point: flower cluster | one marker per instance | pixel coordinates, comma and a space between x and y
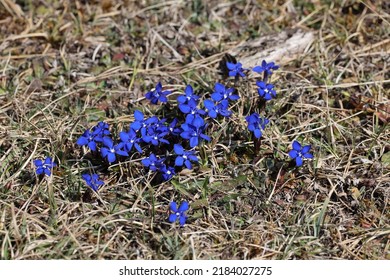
166, 146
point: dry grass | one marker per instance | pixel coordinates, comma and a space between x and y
64, 67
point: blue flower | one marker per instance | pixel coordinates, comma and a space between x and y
92, 181
45, 166
153, 162
173, 129
167, 172
298, 153
235, 69
140, 122
220, 108
256, 124
110, 151
157, 95
266, 91
130, 140
194, 131
88, 138
93, 136
266, 67
154, 135
222, 93
189, 96
100, 131
184, 157
178, 214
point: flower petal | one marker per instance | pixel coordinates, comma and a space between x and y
194, 141
178, 149
38, 162
173, 206
296, 146
111, 157
47, 171
107, 141
182, 220
183, 206
293, 154
138, 115
82, 141
308, 155
189, 90
299, 161
306, 149
172, 218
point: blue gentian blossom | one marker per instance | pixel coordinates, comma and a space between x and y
256, 124
266, 91
152, 162
217, 109
92, 181
178, 213
93, 136
130, 140
140, 122
266, 68
299, 153
188, 96
154, 135
194, 131
191, 108
157, 95
184, 157
195, 113
223, 93
87, 139
100, 131
173, 128
167, 172
110, 150
235, 69
44, 167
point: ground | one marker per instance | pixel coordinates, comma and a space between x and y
66, 65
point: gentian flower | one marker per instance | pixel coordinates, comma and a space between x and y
110, 150
140, 122
173, 129
298, 153
219, 108
130, 140
189, 96
153, 162
222, 93
88, 138
178, 214
256, 124
45, 166
194, 131
167, 172
157, 95
266, 91
92, 181
235, 69
184, 157
99, 131
266, 68
154, 135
